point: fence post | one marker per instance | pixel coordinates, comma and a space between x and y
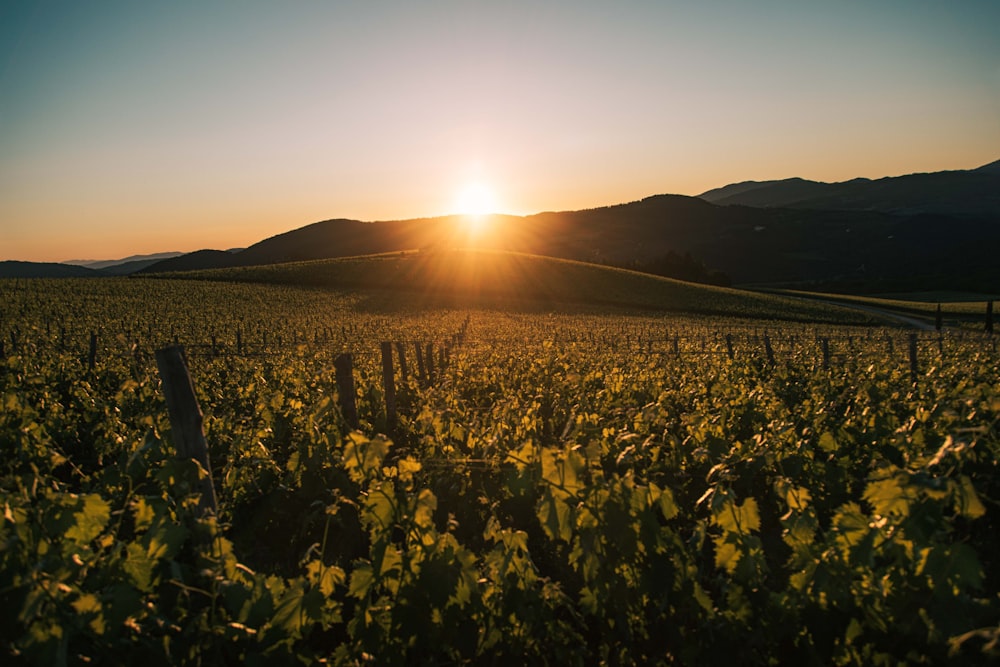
768, 350
344, 368
389, 383
825, 345
186, 419
729, 346
401, 353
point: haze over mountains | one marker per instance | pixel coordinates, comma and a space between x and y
921, 231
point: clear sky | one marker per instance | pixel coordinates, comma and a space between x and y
133, 127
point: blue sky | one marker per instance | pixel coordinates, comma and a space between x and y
138, 127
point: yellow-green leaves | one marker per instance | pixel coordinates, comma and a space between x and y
89, 520
363, 456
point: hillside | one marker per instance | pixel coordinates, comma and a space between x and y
973, 193
850, 250
460, 278
14, 269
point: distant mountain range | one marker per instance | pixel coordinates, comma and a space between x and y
969, 193
920, 231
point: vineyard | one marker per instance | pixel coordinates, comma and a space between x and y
560, 485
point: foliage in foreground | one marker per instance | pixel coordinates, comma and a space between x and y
546, 502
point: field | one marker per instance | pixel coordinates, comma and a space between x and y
744, 482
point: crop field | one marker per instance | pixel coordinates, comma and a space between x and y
560, 485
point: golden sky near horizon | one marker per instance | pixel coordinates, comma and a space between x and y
129, 128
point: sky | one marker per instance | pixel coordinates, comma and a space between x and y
130, 128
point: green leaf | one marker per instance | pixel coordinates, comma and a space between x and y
381, 506
423, 515
139, 566
891, 496
727, 555
363, 457
143, 514
555, 517
289, 614
361, 580
967, 502
324, 577
738, 518
90, 521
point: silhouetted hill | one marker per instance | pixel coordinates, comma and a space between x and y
194, 261
860, 249
973, 193
880, 235
137, 261
14, 269
991, 168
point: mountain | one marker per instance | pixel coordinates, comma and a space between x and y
866, 250
915, 232
133, 260
972, 193
14, 269
194, 261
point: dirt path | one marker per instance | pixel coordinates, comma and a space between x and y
908, 320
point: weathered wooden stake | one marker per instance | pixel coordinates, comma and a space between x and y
344, 367
186, 419
389, 384
92, 358
401, 353
729, 346
768, 350
825, 345
913, 356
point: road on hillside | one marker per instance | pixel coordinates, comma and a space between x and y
914, 322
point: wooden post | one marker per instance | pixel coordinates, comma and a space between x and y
186, 419
825, 345
937, 318
239, 342
913, 356
729, 346
768, 350
389, 384
401, 353
421, 369
888, 343
92, 358
677, 347
344, 367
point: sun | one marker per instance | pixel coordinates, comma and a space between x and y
475, 199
